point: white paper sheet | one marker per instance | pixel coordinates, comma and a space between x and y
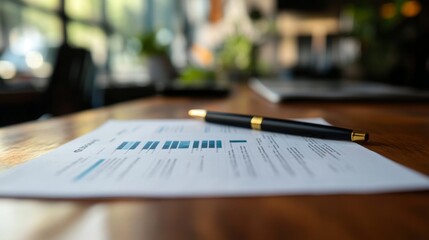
187, 158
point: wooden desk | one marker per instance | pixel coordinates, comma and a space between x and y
398, 131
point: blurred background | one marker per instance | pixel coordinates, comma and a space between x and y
61, 56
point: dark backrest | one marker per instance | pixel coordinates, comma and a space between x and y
72, 85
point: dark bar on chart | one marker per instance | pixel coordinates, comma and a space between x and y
122, 145
238, 141
196, 144
166, 145
154, 145
218, 144
147, 145
184, 144
134, 146
211, 144
204, 144
174, 145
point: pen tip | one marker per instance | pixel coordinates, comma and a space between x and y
357, 136
197, 113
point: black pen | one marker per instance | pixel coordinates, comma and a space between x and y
280, 125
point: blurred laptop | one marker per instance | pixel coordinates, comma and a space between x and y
276, 90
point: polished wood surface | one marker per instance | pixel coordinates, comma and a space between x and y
398, 131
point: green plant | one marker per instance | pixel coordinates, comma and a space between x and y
150, 46
236, 53
383, 37
193, 75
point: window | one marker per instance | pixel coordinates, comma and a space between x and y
84, 9
29, 34
108, 28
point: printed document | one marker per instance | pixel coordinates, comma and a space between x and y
189, 158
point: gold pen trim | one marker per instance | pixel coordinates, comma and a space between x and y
357, 137
256, 122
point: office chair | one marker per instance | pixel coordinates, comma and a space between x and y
72, 85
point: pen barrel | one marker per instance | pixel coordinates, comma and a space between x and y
229, 119
282, 126
306, 129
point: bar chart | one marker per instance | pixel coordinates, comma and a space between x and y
171, 145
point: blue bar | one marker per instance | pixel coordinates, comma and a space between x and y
204, 144
211, 144
134, 146
128, 146
154, 145
196, 144
184, 144
218, 144
88, 170
122, 145
147, 145
238, 141
174, 145
166, 145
